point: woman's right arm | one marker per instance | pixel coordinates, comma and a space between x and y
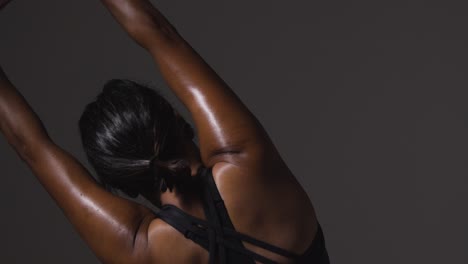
227, 130
116, 229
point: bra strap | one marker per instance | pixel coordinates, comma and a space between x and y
185, 225
211, 234
201, 231
215, 233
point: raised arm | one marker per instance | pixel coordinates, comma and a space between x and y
227, 130
114, 228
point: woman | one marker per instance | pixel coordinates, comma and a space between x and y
231, 199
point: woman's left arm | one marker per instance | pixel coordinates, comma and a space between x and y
18, 122
113, 227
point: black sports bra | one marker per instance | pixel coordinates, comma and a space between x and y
218, 235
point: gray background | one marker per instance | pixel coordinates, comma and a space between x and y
365, 101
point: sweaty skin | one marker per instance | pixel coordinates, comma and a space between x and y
262, 196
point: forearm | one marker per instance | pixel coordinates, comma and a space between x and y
224, 124
18, 122
143, 22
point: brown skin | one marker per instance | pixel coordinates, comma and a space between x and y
262, 196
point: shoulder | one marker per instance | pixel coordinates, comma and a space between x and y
167, 245
265, 200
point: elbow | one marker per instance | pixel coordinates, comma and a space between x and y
27, 141
153, 37
25, 148
19, 148
143, 22
13, 139
22, 149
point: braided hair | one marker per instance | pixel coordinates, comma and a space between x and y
133, 138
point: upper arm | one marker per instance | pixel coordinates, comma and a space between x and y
113, 227
224, 124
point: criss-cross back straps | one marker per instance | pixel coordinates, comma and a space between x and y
217, 233
211, 199
218, 209
198, 230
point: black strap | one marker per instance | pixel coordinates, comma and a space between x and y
218, 233
185, 224
198, 230
210, 201
222, 211
261, 244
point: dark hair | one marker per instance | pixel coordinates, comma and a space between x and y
132, 137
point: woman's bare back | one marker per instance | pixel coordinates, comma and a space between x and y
273, 208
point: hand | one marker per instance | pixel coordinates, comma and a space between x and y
3, 3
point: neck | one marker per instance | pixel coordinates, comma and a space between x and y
193, 157
189, 202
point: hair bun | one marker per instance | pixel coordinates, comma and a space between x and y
172, 173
